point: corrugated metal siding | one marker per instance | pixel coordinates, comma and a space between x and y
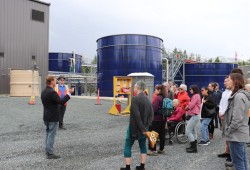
21, 38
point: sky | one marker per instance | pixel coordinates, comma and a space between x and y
209, 28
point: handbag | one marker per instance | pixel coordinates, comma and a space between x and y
211, 112
188, 117
152, 137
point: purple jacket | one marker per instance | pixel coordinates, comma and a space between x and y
194, 105
157, 103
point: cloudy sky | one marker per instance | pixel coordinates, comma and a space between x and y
210, 28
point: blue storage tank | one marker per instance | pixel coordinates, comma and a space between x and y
60, 62
202, 74
120, 55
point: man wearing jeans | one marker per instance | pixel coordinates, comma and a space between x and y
236, 130
51, 102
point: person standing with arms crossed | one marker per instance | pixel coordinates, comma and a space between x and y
62, 90
141, 116
236, 130
51, 102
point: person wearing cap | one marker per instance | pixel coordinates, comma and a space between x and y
62, 90
170, 94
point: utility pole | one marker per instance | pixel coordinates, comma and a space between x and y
32, 98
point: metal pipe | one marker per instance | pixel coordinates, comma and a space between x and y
166, 68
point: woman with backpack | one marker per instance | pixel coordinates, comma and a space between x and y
159, 122
193, 111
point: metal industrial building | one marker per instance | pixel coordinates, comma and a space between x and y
24, 38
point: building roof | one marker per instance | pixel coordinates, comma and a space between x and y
40, 2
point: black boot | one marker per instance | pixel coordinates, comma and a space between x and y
190, 146
193, 148
126, 168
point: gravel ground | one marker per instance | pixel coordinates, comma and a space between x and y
93, 140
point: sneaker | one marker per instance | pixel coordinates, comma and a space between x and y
203, 143
139, 168
52, 156
208, 142
224, 155
230, 164
161, 151
152, 153
230, 168
62, 128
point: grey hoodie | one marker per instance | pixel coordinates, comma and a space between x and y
236, 117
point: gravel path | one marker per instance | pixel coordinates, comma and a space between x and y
93, 140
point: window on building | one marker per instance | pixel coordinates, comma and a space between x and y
37, 15
1, 54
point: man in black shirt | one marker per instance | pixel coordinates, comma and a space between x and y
51, 102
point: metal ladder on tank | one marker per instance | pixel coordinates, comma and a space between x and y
174, 65
174, 68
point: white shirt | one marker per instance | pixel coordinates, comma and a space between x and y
224, 101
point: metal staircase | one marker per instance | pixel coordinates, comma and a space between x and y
174, 65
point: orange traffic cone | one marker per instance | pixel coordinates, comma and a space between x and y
98, 98
32, 100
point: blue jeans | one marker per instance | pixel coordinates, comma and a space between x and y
51, 129
204, 129
191, 131
238, 155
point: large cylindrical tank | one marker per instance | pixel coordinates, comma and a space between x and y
120, 55
61, 62
202, 74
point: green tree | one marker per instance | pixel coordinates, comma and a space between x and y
240, 63
86, 70
164, 55
217, 60
94, 61
175, 51
210, 60
185, 54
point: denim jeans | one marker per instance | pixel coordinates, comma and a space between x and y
51, 129
204, 129
238, 155
191, 130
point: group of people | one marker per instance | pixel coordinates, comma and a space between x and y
209, 107
229, 109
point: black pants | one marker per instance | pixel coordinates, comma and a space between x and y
61, 114
211, 126
217, 118
159, 127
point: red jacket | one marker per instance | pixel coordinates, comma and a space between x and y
176, 115
176, 94
184, 99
